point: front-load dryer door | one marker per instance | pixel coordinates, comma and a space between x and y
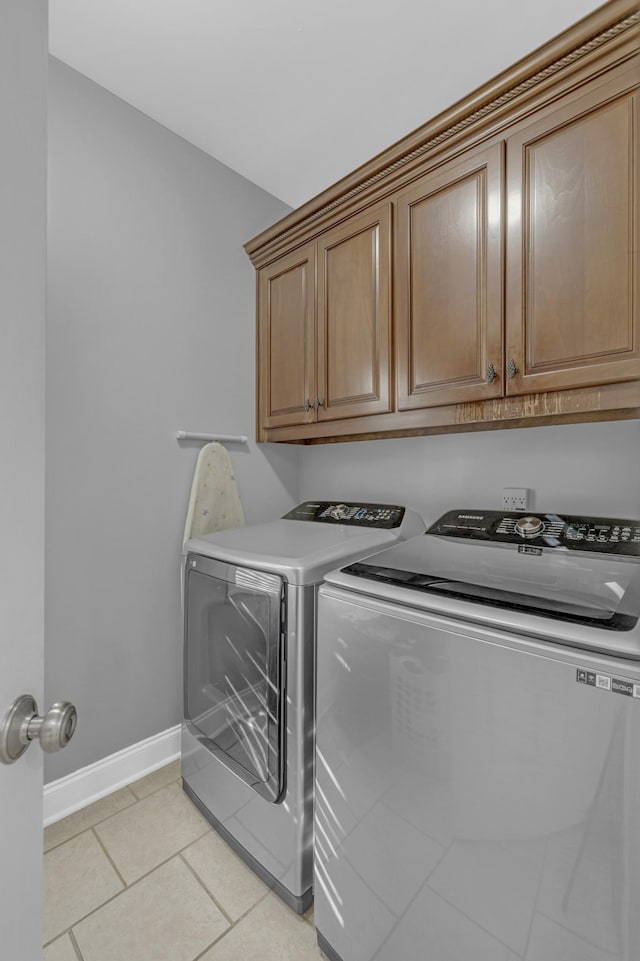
234, 668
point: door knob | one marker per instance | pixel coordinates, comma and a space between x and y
22, 724
492, 373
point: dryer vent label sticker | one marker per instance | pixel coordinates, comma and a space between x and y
616, 685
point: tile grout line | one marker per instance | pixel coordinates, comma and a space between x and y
126, 787
234, 924
205, 888
160, 864
99, 906
127, 887
84, 917
55, 847
259, 901
109, 858
174, 780
75, 945
177, 854
253, 907
119, 875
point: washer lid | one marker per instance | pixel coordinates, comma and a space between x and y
301, 551
587, 599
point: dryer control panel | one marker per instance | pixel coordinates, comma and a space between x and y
385, 516
606, 535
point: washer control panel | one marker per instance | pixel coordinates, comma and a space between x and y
386, 516
607, 535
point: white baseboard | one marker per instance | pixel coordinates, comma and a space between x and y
89, 784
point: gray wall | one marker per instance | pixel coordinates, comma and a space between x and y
151, 320
581, 468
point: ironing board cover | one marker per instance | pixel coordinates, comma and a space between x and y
214, 504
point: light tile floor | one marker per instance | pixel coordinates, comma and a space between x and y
141, 876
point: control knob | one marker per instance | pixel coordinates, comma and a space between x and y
529, 527
339, 512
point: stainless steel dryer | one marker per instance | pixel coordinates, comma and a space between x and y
478, 744
249, 654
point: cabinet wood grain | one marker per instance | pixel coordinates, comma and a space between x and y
574, 215
449, 284
286, 339
354, 316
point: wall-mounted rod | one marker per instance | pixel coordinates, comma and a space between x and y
224, 438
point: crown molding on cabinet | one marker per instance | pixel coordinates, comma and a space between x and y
618, 20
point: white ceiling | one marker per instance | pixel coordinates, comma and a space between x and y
294, 94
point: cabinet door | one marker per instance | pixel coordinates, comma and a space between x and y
449, 284
572, 245
286, 339
354, 316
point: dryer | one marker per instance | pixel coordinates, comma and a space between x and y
249, 601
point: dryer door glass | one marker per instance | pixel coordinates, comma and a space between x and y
233, 669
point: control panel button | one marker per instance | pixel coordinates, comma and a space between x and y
529, 527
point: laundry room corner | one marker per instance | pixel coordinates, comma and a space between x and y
168, 345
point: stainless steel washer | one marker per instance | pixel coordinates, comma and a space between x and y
478, 744
249, 654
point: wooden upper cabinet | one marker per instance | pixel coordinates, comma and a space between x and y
481, 272
573, 241
286, 339
449, 283
354, 316
339, 366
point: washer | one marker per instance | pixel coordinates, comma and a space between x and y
478, 744
249, 651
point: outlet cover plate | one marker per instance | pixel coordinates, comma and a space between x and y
515, 498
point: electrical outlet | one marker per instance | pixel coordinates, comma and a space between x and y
515, 498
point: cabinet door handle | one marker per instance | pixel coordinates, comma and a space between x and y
492, 373
307, 404
512, 369
317, 402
